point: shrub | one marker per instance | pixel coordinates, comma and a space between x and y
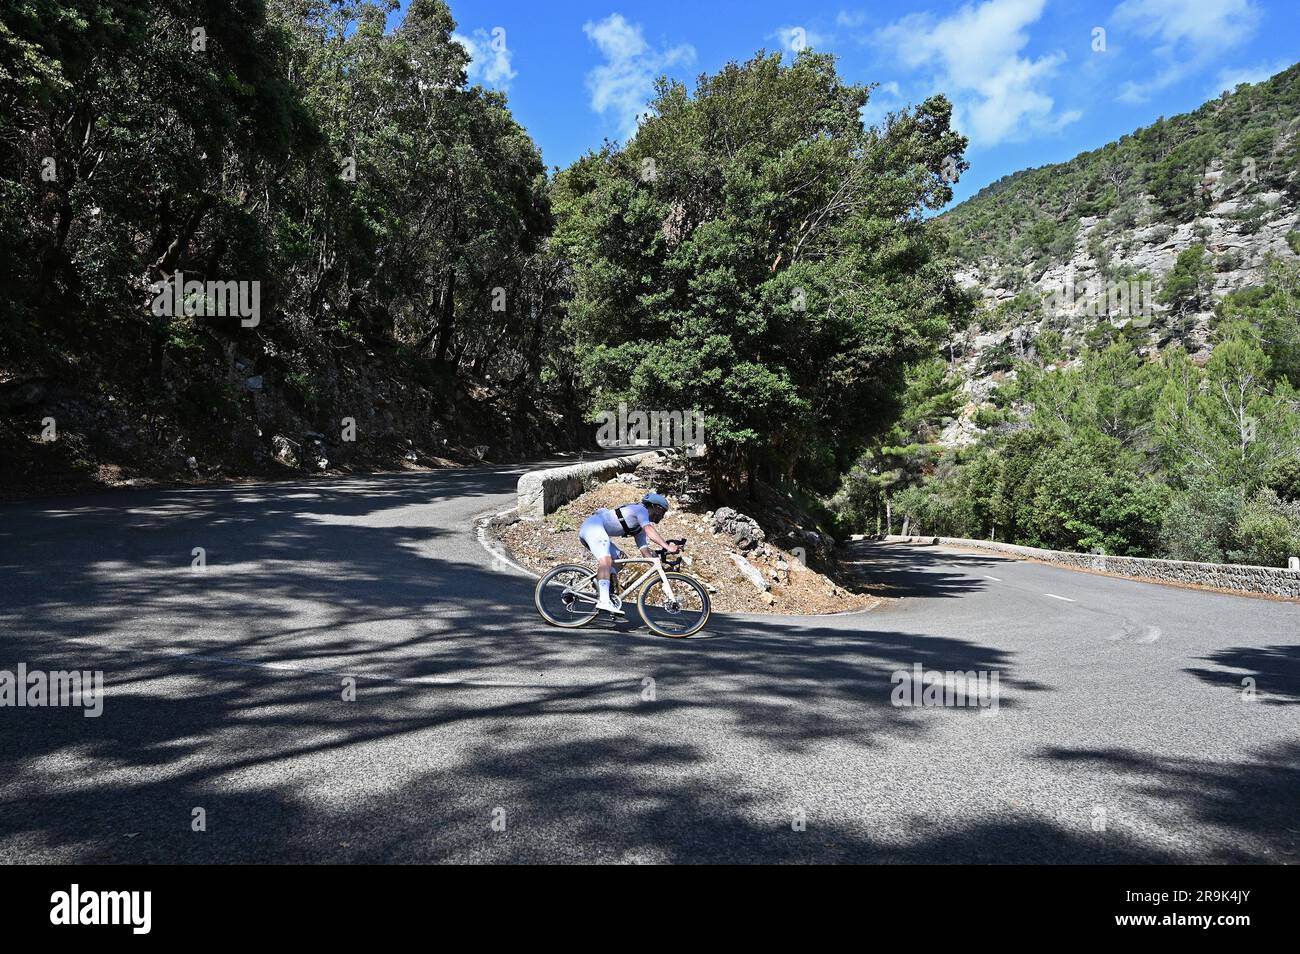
1268, 531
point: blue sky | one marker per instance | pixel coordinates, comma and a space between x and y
1033, 81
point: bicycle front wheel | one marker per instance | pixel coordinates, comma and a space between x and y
567, 595
681, 613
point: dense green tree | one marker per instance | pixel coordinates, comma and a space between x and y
1231, 422
1283, 478
1268, 530
756, 252
1188, 285
1273, 307
396, 218
1124, 456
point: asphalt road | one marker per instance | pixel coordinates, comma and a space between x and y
1122, 732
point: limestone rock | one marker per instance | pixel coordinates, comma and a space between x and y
743, 530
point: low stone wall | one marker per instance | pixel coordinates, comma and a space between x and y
1272, 581
544, 491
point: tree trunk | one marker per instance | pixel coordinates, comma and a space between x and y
446, 316
162, 267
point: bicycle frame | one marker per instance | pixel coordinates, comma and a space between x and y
656, 566
575, 586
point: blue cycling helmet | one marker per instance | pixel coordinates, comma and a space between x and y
656, 500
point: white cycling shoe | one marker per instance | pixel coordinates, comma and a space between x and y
608, 606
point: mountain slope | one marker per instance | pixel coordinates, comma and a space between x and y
1086, 248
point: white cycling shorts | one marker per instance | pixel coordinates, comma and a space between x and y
593, 534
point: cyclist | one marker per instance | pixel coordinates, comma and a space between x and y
630, 520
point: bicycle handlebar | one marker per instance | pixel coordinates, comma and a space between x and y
662, 553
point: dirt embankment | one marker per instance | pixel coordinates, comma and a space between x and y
246, 422
793, 587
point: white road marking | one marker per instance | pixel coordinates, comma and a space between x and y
1141, 634
993, 578
1149, 634
495, 551
1055, 597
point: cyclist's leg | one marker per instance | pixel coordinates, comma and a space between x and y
592, 533
614, 554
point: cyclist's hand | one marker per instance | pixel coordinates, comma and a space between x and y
672, 548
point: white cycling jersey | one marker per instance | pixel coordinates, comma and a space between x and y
636, 515
598, 529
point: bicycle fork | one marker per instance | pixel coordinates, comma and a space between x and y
668, 587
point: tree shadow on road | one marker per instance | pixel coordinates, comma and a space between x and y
898, 570
285, 770
1275, 671
1249, 804
226, 692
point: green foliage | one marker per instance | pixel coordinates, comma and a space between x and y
1188, 285
1229, 422
235, 162
1273, 308
1126, 456
1283, 478
1089, 496
1050, 346
756, 252
931, 395
1201, 523
1268, 530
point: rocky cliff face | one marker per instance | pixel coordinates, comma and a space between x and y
1115, 276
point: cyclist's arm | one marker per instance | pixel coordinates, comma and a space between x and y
652, 532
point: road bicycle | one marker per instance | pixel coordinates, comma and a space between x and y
671, 603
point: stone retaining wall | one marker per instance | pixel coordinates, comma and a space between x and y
544, 491
1273, 581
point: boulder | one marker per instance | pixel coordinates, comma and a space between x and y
743, 530
284, 450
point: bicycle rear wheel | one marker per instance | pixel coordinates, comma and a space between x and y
684, 614
566, 596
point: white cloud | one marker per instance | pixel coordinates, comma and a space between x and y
1188, 35
624, 83
850, 18
998, 94
796, 38
489, 57
1230, 79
